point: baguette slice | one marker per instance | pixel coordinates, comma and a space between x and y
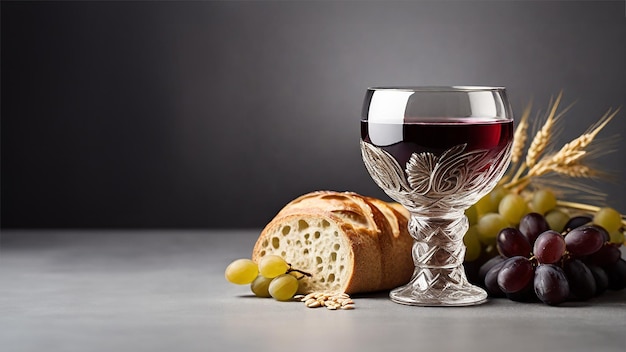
348, 242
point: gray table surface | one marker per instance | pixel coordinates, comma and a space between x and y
165, 291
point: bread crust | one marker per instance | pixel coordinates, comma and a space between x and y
371, 244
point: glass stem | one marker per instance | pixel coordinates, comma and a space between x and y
438, 241
438, 253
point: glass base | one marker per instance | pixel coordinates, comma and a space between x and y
439, 287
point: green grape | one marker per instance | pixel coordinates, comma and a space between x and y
271, 266
557, 220
512, 207
484, 205
497, 195
260, 286
296, 274
283, 287
472, 215
472, 244
489, 226
608, 218
617, 237
491, 251
489, 203
543, 201
241, 271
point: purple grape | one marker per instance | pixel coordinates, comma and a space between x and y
551, 285
527, 294
582, 284
515, 274
532, 225
605, 233
616, 274
602, 280
491, 280
584, 240
575, 222
511, 243
482, 272
606, 255
549, 247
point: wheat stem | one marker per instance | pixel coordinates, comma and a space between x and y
519, 172
578, 206
584, 207
523, 181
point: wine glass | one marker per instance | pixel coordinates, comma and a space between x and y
437, 151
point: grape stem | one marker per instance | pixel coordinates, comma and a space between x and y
299, 272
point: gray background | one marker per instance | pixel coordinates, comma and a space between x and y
216, 114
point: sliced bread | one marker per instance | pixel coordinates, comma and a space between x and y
348, 242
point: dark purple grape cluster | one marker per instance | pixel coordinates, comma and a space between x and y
536, 263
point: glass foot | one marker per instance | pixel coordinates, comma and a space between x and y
439, 287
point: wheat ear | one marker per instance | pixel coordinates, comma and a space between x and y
577, 170
571, 153
520, 135
541, 139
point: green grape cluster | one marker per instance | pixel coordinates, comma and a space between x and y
271, 277
502, 208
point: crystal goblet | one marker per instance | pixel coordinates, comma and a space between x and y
437, 151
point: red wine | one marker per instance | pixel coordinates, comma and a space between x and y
436, 136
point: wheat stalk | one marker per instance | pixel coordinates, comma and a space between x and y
520, 136
540, 141
571, 153
584, 207
567, 161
